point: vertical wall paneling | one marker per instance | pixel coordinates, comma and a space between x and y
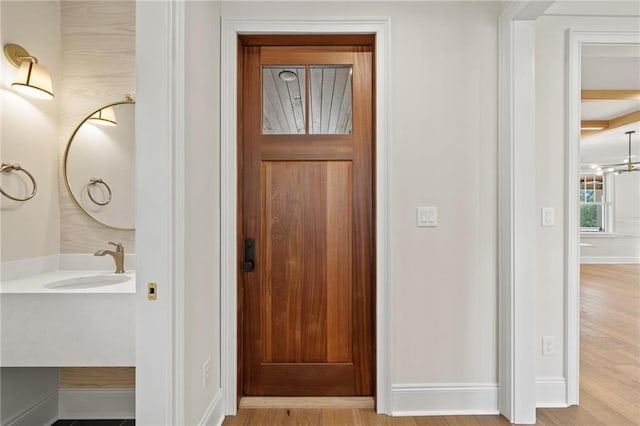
98, 68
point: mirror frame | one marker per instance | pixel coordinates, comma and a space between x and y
64, 165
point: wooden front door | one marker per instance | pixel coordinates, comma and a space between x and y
306, 176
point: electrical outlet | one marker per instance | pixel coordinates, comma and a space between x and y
548, 346
206, 373
548, 216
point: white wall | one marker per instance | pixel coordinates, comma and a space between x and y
202, 239
29, 396
624, 245
550, 144
627, 199
29, 134
443, 152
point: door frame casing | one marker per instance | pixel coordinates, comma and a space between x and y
160, 212
576, 39
517, 219
231, 28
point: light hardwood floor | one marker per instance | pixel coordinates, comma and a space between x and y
609, 368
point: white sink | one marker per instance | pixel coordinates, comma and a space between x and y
89, 281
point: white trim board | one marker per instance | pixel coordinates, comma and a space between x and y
231, 27
576, 38
43, 412
551, 392
609, 259
517, 218
214, 414
444, 399
160, 212
97, 403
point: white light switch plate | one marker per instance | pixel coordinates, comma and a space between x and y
426, 217
548, 216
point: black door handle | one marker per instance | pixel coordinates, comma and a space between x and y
248, 264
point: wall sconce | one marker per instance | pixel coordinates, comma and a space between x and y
32, 79
105, 117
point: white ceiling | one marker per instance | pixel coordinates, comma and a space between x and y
611, 50
626, 8
611, 72
606, 110
610, 67
610, 147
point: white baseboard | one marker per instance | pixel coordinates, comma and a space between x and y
439, 399
610, 259
94, 403
44, 413
551, 392
16, 269
214, 415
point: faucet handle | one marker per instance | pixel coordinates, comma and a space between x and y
118, 246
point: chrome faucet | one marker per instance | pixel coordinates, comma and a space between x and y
118, 256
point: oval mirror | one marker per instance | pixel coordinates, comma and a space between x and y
99, 165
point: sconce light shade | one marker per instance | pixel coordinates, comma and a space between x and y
33, 80
105, 117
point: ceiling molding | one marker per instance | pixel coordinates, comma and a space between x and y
604, 95
593, 127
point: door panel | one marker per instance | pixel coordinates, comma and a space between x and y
307, 200
307, 268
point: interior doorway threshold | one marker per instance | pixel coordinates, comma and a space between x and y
306, 402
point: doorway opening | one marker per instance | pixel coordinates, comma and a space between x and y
592, 222
306, 215
609, 221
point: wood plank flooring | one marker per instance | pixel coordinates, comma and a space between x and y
609, 368
609, 349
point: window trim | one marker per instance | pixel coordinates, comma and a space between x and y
607, 204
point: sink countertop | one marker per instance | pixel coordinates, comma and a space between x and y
36, 283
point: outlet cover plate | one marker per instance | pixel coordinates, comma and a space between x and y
548, 216
426, 217
548, 348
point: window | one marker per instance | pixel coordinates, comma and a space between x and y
593, 203
283, 100
330, 100
284, 103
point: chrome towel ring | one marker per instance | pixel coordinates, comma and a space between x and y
8, 168
96, 181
